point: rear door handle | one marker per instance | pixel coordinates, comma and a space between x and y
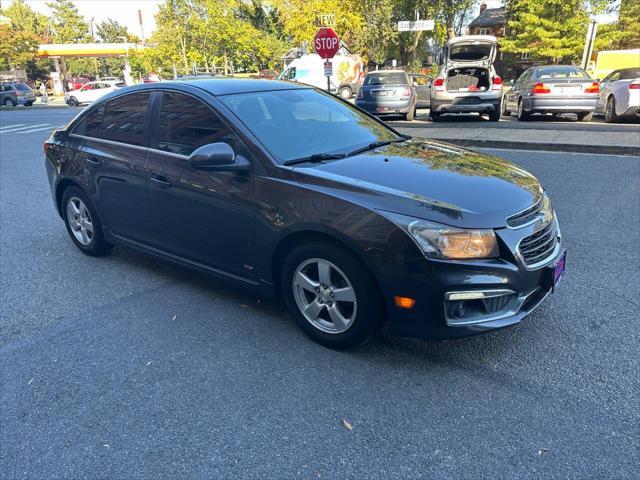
94, 162
160, 182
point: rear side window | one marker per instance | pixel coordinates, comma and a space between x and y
124, 118
92, 124
629, 73
396, 78
187, 124
22, 86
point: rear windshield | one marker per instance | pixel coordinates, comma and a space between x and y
466, 53
396, 78
561, 72
629, 73
22, 86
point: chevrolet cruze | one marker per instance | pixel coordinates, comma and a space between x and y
292, 193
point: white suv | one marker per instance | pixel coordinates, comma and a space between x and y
92, 91
467, 82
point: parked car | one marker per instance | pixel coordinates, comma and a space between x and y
422, 85
151, 78
78, 82
16, 93
388, 92
267, 74
91, 92
110, 79
467, 81
620, 95
552, 89
292, 193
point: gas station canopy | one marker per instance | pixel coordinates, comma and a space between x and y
57, 50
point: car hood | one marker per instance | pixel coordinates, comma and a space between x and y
428, 180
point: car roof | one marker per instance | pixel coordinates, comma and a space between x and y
230, 86
382, 72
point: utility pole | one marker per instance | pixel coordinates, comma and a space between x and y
588, 44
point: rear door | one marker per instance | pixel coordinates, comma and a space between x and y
203, 216
114, 157
606, 87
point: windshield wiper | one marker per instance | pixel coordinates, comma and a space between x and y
316, 157
376, 144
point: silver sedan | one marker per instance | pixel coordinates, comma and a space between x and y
552, 89
620, 94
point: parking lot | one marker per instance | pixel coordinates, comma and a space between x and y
129, 367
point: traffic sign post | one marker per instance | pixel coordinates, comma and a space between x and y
326, 44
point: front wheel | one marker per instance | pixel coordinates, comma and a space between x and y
83, 224
610, 114
331, 295
73, 101
433, 116
346, 93
505, 110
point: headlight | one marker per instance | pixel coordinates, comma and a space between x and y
442, 241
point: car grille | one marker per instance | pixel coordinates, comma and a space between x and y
539, 246
521, 218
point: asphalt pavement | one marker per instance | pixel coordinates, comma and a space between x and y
127, 367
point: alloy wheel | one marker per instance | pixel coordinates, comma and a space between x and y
325, 296
79, 220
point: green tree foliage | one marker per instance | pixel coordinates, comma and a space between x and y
17, 48
68, 26
623, 34
551, 30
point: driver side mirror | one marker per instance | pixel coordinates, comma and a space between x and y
217, 157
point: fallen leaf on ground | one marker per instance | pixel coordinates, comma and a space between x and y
29, 382
542, 450
149, 363
174, 317
346, 424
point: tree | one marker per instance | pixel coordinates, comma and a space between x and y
68, 26
17, 48
623, 34
551, 30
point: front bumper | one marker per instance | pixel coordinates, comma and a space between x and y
389, 107
432, 282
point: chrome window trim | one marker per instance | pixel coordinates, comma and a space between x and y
108, 142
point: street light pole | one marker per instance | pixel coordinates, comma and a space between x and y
588, 44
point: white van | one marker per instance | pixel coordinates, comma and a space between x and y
346, 80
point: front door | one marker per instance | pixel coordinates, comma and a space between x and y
205, 217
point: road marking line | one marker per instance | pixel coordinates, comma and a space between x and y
36, 130
12, 126
23, 129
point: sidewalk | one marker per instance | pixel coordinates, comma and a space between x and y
584, 141
51, 102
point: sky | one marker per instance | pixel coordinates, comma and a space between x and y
123, 11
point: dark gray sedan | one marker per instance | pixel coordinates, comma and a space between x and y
552, 89
388, 92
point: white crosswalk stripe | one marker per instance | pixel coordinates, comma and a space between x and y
21, 128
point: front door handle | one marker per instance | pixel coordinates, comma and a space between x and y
94, 162
160, 181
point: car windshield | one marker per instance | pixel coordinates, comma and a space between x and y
562, 72
294, 124
396, 78
22, 86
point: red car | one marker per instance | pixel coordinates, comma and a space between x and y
78, 82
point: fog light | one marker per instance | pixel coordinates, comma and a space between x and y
458, 310
404, 302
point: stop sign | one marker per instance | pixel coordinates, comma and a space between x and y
326, 42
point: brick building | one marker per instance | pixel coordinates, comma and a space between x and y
492, 21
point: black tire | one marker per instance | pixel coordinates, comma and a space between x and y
585, 116
523, 116
505, 112
28, 104
73, 101
345, 92
610, 114
97, 246
433, 116
369, 313
495, 116
9, 102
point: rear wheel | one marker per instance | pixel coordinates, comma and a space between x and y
505, 111
585, 116
9, 102
433, 115
331, 295
73, 101
495, 115
83, 224
610, 110
523, 116
411, 114
346, 93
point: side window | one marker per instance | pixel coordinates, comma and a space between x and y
612, 77
187, 124
124, 118
91, 125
